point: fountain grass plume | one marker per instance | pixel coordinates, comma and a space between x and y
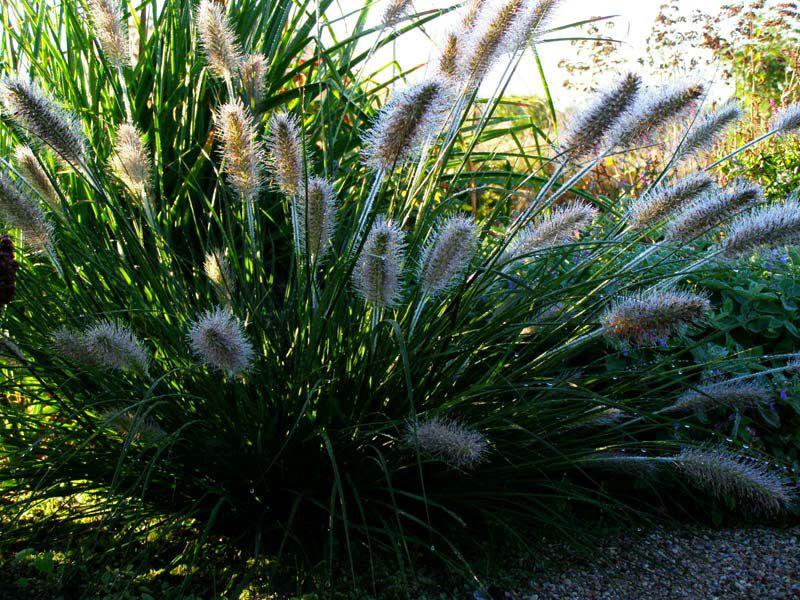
405, 123
111, 31
713, 210
665, 200
315, 208
218, 40
787, 120
20, 211
448, 59
736, 394
769, 227
709, 128
111, 345
378, 270
589, 127
35, 176
242, 152
37, 116
285, 147
218, 269
395, 11
218, 340
563, 224
472, 13
252, 72
757, 488
447, 255
449, 442
130, 161
652, 315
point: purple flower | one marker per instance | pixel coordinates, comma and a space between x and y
784, 395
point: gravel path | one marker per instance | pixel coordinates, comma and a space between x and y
759, 563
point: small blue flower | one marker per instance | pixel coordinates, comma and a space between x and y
784, 395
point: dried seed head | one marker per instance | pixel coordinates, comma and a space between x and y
787, 120
113, 346
664, 200
316, 212
404, 123
447, 255
286, 153
378, 270
769, 227
218, 40
472, 13
708, 128
36, 115
218, 269
562, 225
722, 474
652, 112
242, 153
395, 11
252, 71
590, 126
111, 31
737, 394
8, 271
130, 162
218, 340
449, 442
33, 173
654, 315
713, 210
448, 60
19, 211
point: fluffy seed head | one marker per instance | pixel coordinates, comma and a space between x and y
36, 115
759, 489
395, 11
113, 346
652, 112
712, 210
71, 346
472, 13
316, 212
252, 71
449, 442
218, 40
590, 126
666, 199
218, 341
708, 128
286, 153
787, 120
218, 269
769, 227
242, 153
737, 394
653, 315
111, 31
19, 211
130, 162
563, 224
377, 275
448, 60
447, 255
8, 271
33, 173
404, 123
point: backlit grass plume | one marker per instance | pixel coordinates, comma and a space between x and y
378, 272
19, 210
654, 315
736, 394
666, 200
560, 226
787, 120
48, 125
448, 59
769, 227
448, 441
316, 212
111, 31
112, 345
395, 11
219, 341
709, 127
253, 71
242, 152
218, 269
130, 161
447, 255
285, 153
35, 176
218, 40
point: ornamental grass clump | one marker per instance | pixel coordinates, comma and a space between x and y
314, 349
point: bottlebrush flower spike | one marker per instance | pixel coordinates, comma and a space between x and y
652, 112
404, 123
447, 255
36, 115
33, 173
19, 211
713, 210
448, 60
378, 269
449, 442
242, 153
787, 120
218, 40
71, 346
667, 199
563, 224
316, 212
218, 340
130, 162
218, 269
769, 227
724, 475
708, 128
473, 12
590, 126
252, 72
113, 346
111, 31
737, 394
395, 11
285, 153
8, 271
654, 315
